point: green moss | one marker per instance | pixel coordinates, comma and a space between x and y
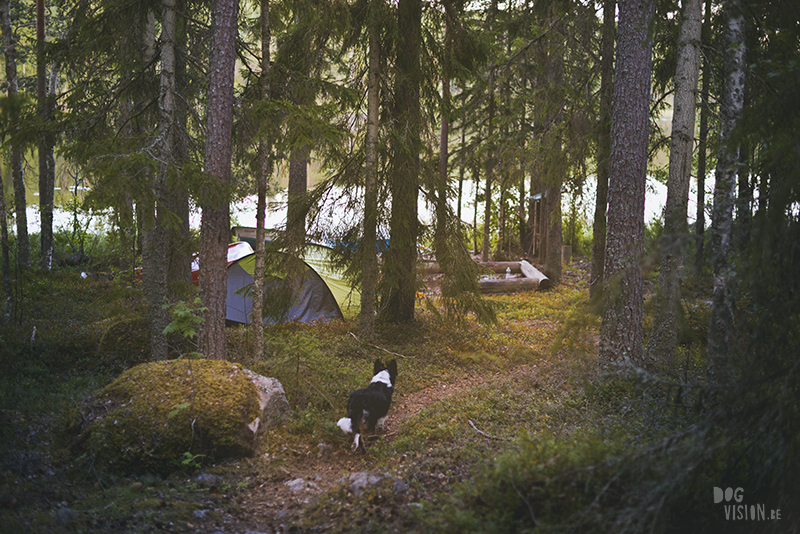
153, 413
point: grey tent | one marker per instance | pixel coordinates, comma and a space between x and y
308, 297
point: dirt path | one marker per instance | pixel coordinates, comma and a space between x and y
280, 490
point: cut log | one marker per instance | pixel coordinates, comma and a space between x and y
507, 285
499, 266
533, 273
431, 267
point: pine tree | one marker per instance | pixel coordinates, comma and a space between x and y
369, 241
664, 335
15, 149
400, 270
621, 327
215, 210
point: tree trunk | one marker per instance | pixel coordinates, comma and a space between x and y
621, 327
461, 170
215, 225
179, 273
721, 325
400, 274
264, 171
556, 166
46, 174
663, 340
298, 186
370, 258
702, 151
603, 148
158, 265
8, 290
15, 150
476, 177
487, 209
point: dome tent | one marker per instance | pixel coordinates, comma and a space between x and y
315, 291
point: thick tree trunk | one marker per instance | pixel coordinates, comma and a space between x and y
603, 147
400, 273
370, 258
663, 340
264, 171
215, 225
621, 334
14, 149
721, 325
702, 151
556, 164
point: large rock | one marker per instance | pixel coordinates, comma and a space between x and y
155, 413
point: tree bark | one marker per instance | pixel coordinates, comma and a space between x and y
215, 225
400, 267
556, 165
14, 149
264, 171
702, 151
603, 147
487, 208
487, 191
5, 259
721, 325
156, 273
179, 272
46, 173
621, 328
370, 258
298, 186
663, 340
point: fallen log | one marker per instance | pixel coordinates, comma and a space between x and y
499, 266
507, 285
532, 273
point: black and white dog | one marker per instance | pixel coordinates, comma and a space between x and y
368, 407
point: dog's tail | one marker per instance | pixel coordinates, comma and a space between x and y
356, 421
346, 424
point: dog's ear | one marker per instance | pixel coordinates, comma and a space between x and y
378, 367
392, 369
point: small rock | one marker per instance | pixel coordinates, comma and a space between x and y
299, 484
65, 517
207, 480
200, 514
362, 480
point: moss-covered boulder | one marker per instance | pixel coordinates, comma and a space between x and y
152, 415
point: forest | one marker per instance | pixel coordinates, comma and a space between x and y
654, 387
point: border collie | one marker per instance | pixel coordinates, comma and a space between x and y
368, 407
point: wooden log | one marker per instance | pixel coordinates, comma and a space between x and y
533, 273
499, 266
431, 267
507, 285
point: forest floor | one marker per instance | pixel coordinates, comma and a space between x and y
466, 395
